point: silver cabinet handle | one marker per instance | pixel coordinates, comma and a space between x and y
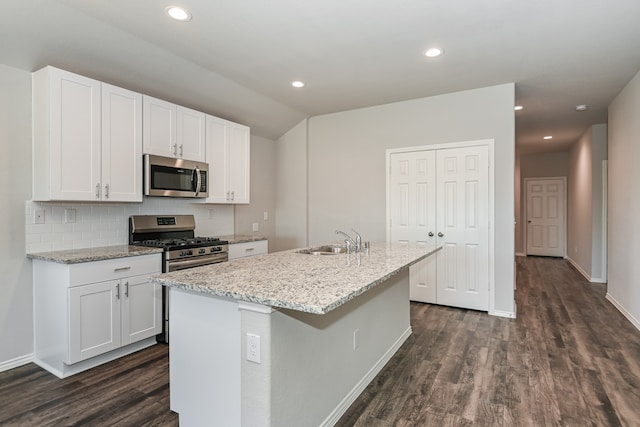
97, 190
117, 290
233, 195
181, 150
440, 234
126, 289
228, 195
175, 149
249, 249
106, 191
430, 234
122, 268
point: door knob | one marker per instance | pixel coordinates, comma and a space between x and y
430, 234
440, 234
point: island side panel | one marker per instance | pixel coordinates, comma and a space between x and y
315, 371
204, 356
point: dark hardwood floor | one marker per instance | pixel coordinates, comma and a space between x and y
569, 359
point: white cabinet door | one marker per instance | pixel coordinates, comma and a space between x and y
228, 155
141, 309
121, 145
159, 122
94, 320
66, 146
239, 163
191, 134
217, 135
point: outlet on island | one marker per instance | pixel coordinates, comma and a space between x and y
256, 226
253, 348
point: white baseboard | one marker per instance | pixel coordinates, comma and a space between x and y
623, 310
342, 407
580, 270
14, 363
500, 313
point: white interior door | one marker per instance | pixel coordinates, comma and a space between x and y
412, 211
442, 196
463, 227
546, 224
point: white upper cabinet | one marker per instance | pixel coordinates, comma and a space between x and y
171, 130
121, 144
78, 135
228, 156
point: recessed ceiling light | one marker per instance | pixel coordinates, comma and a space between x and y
518, 107
178, 13
297, 83
582, 107
548, 137
433, 52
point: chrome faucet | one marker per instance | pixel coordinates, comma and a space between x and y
349, 242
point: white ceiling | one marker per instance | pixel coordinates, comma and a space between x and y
236, 58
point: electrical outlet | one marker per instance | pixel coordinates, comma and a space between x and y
356, 339
256, 226
69, 215
38, 217
253, 348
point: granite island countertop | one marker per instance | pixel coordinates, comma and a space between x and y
75, 256
288, 279
241, 238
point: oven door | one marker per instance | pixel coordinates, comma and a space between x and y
167, 177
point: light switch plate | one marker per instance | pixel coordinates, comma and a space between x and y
256, 226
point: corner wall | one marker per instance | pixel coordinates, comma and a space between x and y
624, 202
16, 314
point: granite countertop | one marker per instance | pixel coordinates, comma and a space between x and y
241, 238
75, 256
287, 279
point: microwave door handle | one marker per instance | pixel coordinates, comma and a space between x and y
196, 171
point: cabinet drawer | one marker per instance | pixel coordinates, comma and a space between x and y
241, 250
112, 269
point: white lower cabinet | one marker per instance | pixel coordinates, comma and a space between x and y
247, 249
89, 313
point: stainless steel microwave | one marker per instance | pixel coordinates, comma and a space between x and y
169, 177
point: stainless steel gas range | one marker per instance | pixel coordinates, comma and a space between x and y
182, 249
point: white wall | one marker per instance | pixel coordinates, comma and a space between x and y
16, 325
291, 184
346, 164
263, 192
585, 240
539, 165
624, 201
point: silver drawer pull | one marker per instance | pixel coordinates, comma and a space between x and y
249, 249
122, 269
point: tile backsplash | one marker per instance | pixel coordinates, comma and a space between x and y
107, 224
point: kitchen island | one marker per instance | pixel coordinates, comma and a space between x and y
285, 338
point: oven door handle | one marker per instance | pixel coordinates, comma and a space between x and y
181, 265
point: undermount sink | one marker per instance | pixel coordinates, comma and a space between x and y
324, 250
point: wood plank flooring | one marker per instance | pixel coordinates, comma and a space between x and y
569, 359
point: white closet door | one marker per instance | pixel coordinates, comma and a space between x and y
412, 203
463, 227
